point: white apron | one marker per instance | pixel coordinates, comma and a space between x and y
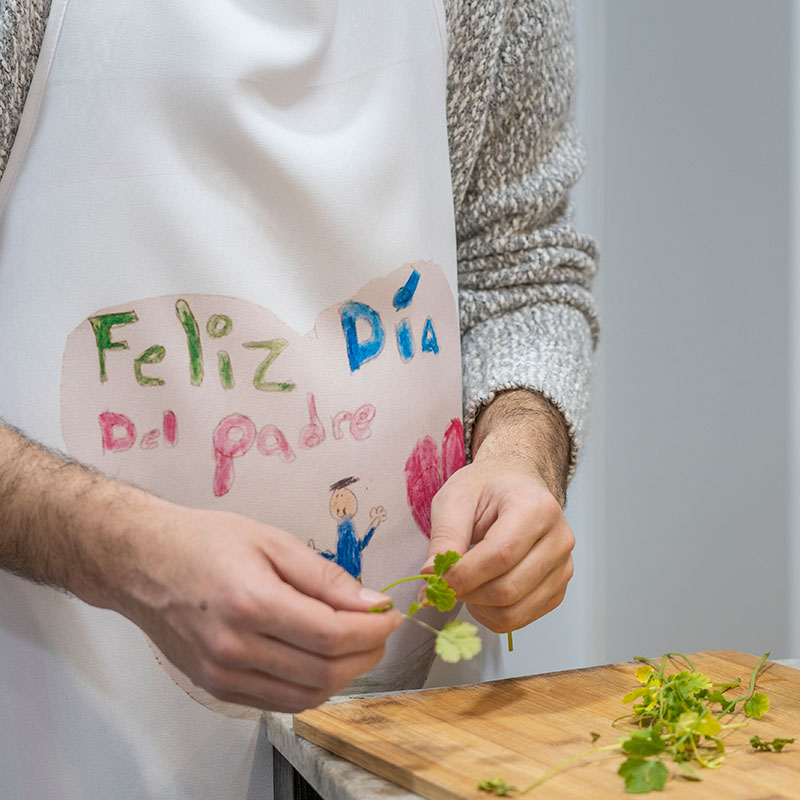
227, 274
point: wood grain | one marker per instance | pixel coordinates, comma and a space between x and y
440, 743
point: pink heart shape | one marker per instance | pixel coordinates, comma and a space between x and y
426, 472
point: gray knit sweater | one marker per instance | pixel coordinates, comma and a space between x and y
527, 316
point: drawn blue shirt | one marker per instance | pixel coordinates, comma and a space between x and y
349, 547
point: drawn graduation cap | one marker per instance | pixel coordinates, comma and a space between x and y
342, 483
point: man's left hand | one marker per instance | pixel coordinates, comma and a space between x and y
500, 506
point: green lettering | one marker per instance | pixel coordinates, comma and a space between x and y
153, 355
225, 370
102, 325
275, 347
219, 325
189, 323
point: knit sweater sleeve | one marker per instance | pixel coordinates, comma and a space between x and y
528, 318
22, 24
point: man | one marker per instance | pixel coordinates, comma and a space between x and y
206, 218
343, 506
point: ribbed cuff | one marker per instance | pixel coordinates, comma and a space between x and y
546, 348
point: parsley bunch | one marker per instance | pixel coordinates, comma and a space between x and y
680, 718
457, 640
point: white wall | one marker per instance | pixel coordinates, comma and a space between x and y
793, 562
686, 507
697, 272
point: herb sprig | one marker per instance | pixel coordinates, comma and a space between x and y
680, 717
458, 640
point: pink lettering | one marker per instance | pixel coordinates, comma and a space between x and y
118, 432
336, 423
313, 434
423, 480
170, 425
271, 441
362, 419
233, 437
454, 454
150, 439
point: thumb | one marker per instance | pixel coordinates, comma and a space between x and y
318, 577
452, 520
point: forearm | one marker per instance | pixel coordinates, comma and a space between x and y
60, 523
528, 318
523, 426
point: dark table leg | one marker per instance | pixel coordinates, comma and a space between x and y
287, 782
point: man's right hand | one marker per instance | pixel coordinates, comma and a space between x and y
248, 612
251, 614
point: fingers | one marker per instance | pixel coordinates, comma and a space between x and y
319, 578
260, 690
311, 625
536, 536
543, 598
329, 673
266, 673
531, 589
271, 646
452, 519
268, 605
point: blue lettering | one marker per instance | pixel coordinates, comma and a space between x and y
405, 344
405, 294
429, 341
358, 352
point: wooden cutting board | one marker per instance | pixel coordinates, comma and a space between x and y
440, 743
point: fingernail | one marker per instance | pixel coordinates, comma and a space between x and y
429, 562
373, 598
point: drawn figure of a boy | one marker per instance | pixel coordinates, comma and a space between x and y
343, 508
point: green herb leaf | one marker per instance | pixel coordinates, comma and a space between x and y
458, 640
776, 745
439, 593
639, 691
644, 673
413, 608
643, 775
756, 706
644, 743
779, 744
443, 561
694, 682
688, 772
595, 736
497, 786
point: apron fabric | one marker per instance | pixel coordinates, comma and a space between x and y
227, 274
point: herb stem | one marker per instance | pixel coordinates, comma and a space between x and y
700, 759
404, 580
751, 692
685, 658
755, 675
723, 687
566, 763
423, 624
